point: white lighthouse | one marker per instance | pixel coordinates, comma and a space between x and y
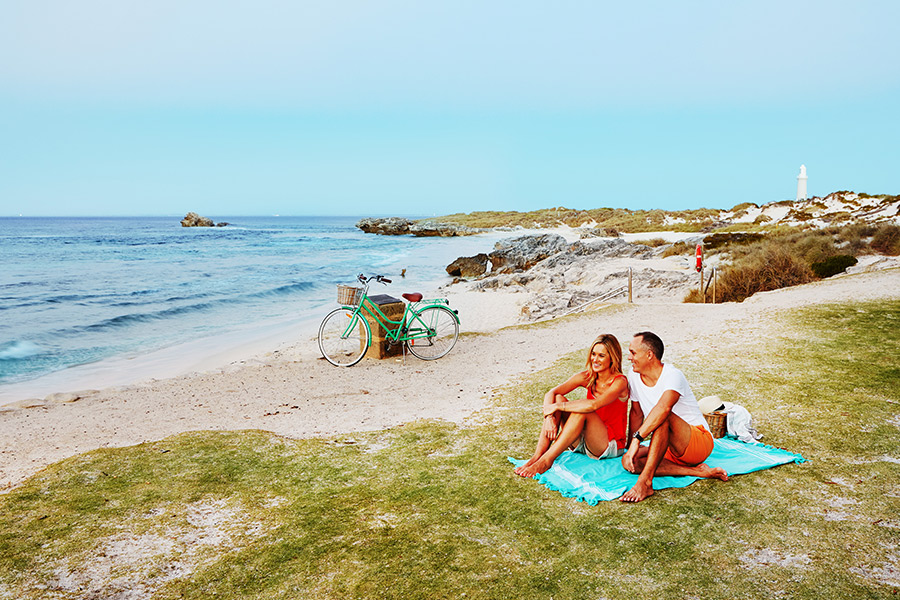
801, 183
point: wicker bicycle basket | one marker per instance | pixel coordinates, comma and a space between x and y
349, 295
718, 423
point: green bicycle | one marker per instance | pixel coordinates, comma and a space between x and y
429, 328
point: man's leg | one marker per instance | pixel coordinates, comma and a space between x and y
659, 443
589, 424
674, 434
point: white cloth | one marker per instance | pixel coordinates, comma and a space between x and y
740, 423
670, 379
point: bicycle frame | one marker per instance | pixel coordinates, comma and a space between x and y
396, 331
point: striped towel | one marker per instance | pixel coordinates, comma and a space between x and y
575, 475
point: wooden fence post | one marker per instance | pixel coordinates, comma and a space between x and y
629, 285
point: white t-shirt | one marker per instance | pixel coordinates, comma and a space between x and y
670, 379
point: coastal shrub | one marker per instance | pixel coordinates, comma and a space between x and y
653, 243
694, 296
677, 249
762, 219
772, 268
855, 237
886, 240
833, 265
721, 240
813, 246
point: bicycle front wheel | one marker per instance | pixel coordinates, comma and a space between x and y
433, 332
344, 337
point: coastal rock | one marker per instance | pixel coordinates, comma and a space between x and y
192, 219
401, 226
595, 232
385, 226
469, 266
522, 253
437, 229
616, 248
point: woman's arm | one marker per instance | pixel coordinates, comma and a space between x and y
574, 382
550, 428
609, 395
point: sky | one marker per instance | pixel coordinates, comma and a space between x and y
227, 108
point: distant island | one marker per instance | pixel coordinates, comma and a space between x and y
192, 219
836, 209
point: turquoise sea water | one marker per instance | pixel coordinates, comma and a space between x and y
74, 291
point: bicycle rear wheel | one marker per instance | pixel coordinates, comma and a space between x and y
344, 337
433, 332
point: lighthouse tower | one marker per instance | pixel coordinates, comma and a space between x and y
801, 183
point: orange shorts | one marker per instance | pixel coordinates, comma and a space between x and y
700, 447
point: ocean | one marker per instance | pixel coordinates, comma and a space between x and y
82, 292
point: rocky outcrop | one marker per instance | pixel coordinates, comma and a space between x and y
192, 219
551, 277
595, 232
616, 248
437, 229
385, 226
401, 226
469, 266
522, 253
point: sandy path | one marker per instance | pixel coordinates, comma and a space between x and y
297, 394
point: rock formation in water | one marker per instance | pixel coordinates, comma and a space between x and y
192, 219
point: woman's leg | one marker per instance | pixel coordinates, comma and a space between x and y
544, 440
590, 425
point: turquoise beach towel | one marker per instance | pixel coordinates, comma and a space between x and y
575, 475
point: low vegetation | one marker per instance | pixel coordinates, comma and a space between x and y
432, 510
621, 219
759, 263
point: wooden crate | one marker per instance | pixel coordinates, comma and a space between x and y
392, 309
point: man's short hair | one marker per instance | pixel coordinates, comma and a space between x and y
652, 342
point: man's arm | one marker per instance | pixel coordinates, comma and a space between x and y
644, 427
636, 418
659, 414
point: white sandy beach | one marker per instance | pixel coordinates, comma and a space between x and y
293, 392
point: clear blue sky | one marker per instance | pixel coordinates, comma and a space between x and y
290, 107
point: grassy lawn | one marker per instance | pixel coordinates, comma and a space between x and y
431, 510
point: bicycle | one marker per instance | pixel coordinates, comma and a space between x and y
429, 328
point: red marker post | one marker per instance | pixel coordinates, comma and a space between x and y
700, 270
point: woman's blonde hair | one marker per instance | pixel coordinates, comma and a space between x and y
613, 349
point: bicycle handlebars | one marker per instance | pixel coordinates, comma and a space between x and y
379, 278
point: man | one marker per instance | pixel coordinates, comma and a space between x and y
663, 405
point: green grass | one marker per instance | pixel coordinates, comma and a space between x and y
431, 510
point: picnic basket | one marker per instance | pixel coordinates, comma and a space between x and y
349, 295
718, 423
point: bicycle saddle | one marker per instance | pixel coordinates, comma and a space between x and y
413, 297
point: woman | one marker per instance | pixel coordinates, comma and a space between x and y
595, 426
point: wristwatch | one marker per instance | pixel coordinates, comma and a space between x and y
637, 435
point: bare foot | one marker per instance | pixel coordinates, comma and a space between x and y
639, 492
539, 466
717, 473
530, 462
